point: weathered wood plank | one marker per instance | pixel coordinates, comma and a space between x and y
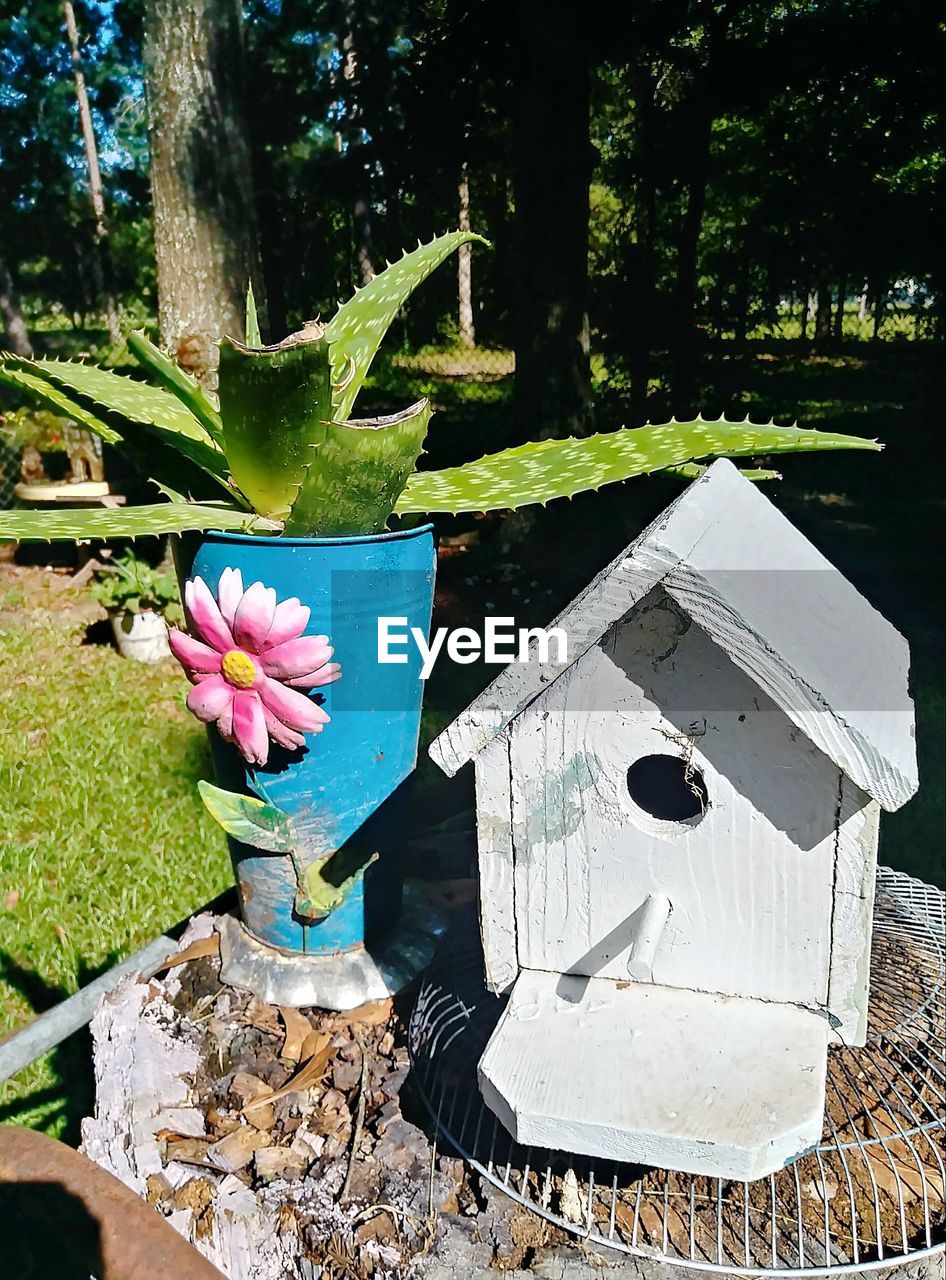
494, 845
852, 912
705, 1084
750, 882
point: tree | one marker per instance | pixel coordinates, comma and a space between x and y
16, 336
204, 214
553, 162
101, 261
465, 323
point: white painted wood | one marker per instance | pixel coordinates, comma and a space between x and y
750, 881
494, 844
852, 912
711, 1085
784, 614
653, 920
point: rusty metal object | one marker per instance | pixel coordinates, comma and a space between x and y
61, 1214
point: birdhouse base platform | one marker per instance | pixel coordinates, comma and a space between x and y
708, 1084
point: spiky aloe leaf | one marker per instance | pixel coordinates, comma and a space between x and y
693, 471
124, 402
358, 470
168, 374
159, 461
132, 522
274, 402
358, 326
547, 469
265, 826
15, 371
251, 335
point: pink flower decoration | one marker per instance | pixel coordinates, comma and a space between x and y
247, 660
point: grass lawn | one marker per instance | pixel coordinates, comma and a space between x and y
103, 840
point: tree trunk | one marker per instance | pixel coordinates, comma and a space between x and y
101, 264
686, 336
880, 300
823, 315
552, 170
839, 312
16, 337
808, 307
465, 267
645, 227
201, 183
351, 144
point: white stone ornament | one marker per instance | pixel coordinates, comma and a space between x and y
677, 838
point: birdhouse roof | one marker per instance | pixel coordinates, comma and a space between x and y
782, 612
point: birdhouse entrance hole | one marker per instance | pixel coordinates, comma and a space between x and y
668, 788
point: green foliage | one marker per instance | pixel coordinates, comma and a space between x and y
360, 468
173, 378
133, 522
106, 844
20, 373
283, 444
274, 403
130, 584
251, 334
359, 325
252, 821
38, 427
547, 469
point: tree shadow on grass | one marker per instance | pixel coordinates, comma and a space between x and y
47, 1231
73, 1094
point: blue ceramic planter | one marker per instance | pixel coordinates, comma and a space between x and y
344, 783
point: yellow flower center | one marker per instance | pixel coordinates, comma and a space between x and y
238, 668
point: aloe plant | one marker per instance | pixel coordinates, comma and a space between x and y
281, 452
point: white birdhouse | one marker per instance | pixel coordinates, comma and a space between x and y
677, 837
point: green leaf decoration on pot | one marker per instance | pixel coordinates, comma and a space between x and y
318, 897
252, 821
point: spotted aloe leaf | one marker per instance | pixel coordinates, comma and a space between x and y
547, 469
252, 821
125, 404
357, 471
16, 372
356, 331
251, 335
128, 522
173, 378
274, 403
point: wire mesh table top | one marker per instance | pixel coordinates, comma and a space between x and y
869, 1196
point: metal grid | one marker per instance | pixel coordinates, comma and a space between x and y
871, 1195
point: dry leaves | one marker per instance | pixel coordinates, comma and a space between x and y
305, 1078
202, 947
298, 1030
